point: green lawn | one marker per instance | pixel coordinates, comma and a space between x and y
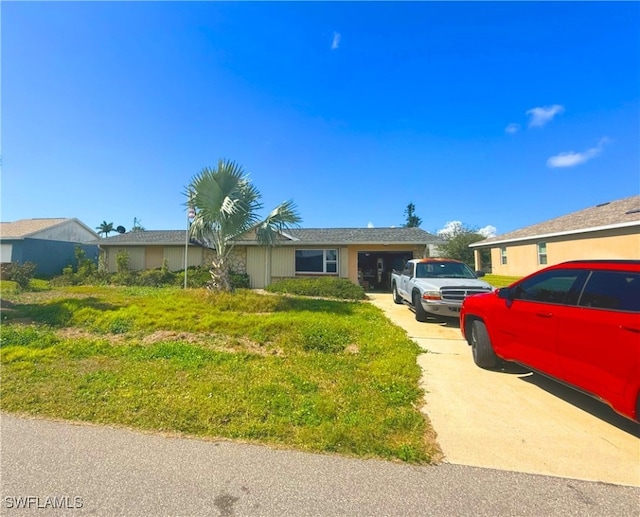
317, 375
500, 280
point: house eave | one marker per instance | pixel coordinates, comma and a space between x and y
554, 234
336, 244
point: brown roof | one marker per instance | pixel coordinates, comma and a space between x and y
613, 214
26, 227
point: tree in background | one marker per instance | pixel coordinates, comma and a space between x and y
413, 221
137, 227
105, 228
457, 239
226, 206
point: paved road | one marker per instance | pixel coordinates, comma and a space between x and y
106, 471
513, 419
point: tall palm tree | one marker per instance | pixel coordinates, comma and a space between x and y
226, 206
105, 228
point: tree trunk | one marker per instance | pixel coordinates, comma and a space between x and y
220, 277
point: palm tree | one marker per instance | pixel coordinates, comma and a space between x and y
226, 206
105, 228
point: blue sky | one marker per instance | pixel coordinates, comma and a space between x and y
493, 114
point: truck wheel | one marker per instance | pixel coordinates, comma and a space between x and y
483, 354
396, 296
421, 314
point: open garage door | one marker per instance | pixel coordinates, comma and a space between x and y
374, 268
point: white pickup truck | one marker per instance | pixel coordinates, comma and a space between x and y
435, 286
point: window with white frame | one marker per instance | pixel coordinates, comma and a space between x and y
316, 261
542, 253
503, 255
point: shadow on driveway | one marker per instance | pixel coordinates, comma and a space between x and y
582, 401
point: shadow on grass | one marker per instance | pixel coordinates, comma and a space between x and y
291, 303
56, 313
582, 401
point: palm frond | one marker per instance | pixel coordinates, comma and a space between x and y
282, 217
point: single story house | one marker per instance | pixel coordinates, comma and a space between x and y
49, 243
606, 231
363, 255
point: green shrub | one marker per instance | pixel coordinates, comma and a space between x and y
240, 281
154, 278
22, 274
328, 287
123, 276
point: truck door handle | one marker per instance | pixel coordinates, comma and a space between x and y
544, 314
630, 329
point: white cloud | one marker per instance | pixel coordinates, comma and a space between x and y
542, 115
450, 229
512, 128
370, 225
571, 158
336, 41
488, 231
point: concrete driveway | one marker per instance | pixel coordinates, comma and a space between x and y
514, 419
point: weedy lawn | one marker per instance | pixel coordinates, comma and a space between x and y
317, 375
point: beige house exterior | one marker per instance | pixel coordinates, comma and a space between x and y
606, 231
363, 255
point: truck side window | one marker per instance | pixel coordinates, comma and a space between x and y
612, 290
408, 269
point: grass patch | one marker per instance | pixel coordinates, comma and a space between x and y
500, 280
314, 374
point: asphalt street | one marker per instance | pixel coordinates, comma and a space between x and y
106, 471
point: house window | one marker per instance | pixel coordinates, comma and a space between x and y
503, 256
316, 261
542, 253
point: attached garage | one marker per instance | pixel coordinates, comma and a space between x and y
375, 267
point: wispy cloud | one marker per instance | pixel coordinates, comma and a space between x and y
512, 128
336, 41
539, 117
571, 159
370, 225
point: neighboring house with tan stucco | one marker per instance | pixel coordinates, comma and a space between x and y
363, 255
49, 243
606, 231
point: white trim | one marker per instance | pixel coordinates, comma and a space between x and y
555, 234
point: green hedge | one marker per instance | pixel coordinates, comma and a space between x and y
328, 287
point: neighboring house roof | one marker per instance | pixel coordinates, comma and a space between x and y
615, 214
145, 238
309, 236
26, 228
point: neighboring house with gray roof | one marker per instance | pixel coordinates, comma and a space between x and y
606, 231
49, 243
364, 255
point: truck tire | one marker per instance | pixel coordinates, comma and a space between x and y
483, 354
396, 296
421, 314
